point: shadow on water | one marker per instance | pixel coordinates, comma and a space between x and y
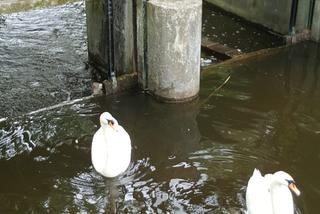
189, 158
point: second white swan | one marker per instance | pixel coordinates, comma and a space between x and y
270, 194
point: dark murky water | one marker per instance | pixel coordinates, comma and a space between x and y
42, 55
187, 158
234, 32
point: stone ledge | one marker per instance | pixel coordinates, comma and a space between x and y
298, 37
124, 82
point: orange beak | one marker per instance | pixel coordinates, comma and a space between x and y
294, 189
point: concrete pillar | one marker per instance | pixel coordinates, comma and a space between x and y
97, 31
173, 48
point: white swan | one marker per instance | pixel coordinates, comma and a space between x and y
270, 194
111, 147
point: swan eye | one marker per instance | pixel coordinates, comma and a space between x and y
290, 182
110, 122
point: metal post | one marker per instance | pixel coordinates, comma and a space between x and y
111, 70
293, 16
145, 39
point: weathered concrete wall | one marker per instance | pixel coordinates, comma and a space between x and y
271, 14
275, 14
315, 33
303, 15
141, 42
97, 34
97, 27
173, 48
123, 36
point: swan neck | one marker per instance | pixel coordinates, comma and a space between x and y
281, 198
106, 129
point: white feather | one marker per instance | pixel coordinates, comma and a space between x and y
258, 197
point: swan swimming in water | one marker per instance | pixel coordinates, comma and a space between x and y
111, 147
270, 194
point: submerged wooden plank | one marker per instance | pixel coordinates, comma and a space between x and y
245, 56
222, 51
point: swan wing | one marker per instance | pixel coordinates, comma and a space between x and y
99, 151
121, 155
258, 198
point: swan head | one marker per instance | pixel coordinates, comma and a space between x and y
106, 120
285, 179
